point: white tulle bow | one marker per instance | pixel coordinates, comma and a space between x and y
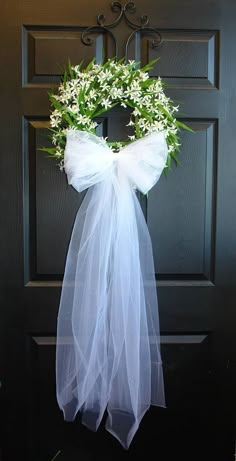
88, 159
108, 340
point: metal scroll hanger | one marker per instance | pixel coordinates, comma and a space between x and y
138, 29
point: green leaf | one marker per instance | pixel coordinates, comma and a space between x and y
183, 126
165, 112
121, 61
149, 82
80, 100
165, 171
65, 79
114, 143
129, 104
168, 161
90, 65
149, 65
101, 111
176, 159
66, 117
55, 103
71, 69
49, 150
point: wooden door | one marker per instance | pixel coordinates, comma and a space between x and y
191, 217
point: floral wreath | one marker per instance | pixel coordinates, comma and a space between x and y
85, 94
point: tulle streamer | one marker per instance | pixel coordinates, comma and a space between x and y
108, 341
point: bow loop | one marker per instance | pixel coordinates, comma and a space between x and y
144, 160
87, 159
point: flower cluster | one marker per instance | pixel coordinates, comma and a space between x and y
85, 94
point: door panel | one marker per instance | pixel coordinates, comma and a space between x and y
190, 215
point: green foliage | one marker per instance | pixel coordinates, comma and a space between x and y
86, 93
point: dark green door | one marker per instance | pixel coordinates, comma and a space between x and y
191, 217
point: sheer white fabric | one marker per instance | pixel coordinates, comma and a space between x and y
108, 343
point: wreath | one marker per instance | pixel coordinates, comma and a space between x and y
86, 93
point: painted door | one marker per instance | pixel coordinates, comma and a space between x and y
190, 214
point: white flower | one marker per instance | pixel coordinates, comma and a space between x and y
65, 96
175, 108
75, 109
125, 74
143, 124
143, 76
83, 119
134, 95
55, 118
91, 106
74, 84
131, 123
116, 93
56, 113
171, 148
106, 103
158, 126
136, 112
104, 76
59, 152
135, 86
91, 95
95, 69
